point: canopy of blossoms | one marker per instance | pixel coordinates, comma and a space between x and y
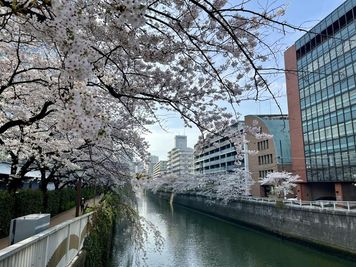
81, 80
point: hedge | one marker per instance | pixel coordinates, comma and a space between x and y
29, 201
7, 202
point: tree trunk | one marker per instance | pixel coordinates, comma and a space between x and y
43, 187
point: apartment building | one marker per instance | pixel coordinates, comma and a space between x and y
217, 154
180, 158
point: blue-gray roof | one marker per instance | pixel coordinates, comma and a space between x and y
5, 168
281, 139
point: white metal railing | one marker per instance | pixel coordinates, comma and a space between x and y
348, 206
343, 206
56, 246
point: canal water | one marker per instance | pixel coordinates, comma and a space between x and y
194, 239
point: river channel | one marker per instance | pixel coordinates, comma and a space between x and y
192, 239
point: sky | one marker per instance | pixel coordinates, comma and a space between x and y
304, 13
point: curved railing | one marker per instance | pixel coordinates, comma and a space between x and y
57, 246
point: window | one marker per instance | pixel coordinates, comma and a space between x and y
262, 145
265, 159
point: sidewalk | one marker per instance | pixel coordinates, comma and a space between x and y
55, 220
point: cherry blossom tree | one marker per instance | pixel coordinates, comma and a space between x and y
223, 187
282, 183
81, 80
87, 68
174, 55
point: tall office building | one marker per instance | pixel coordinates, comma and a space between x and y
180, 141
321, 68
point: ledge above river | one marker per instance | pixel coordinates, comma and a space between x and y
329, 229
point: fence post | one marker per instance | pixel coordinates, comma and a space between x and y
46, 255
322, 205
80, 230
348, 206
334, 205
68, 239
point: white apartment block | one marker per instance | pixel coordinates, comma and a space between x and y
180, 158
217, 154
160, 168
152, 160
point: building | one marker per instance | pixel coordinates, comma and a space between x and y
180, 141
180, 158
216, 154
273, 148
322, 106
139, 167
160, 168
149, 164
31, 180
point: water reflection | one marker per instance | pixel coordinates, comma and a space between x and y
197, 240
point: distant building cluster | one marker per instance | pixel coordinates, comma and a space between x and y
217, 154
317, 140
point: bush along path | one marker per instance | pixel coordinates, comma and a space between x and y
61, 207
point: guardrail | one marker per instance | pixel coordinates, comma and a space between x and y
347, 206
57, 246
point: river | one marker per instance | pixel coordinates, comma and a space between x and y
194, 239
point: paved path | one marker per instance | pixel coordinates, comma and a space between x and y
55, 220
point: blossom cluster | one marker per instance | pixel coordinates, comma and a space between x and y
225, 187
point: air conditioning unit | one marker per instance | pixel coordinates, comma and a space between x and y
26, 226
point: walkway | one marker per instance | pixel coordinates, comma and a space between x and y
59, 218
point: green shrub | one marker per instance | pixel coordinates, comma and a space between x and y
7, 202
67, 199
88, 192
28, 201
54, 202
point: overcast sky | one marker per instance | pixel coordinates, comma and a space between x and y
305, 13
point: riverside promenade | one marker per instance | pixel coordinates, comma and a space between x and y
58, 219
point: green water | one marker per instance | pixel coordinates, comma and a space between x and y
196, 240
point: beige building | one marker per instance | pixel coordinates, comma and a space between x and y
273, 154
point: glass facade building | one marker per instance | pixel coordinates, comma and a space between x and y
326, 67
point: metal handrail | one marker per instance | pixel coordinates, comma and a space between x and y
23, 250
349, 206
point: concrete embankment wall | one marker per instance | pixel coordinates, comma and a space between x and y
333, 230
